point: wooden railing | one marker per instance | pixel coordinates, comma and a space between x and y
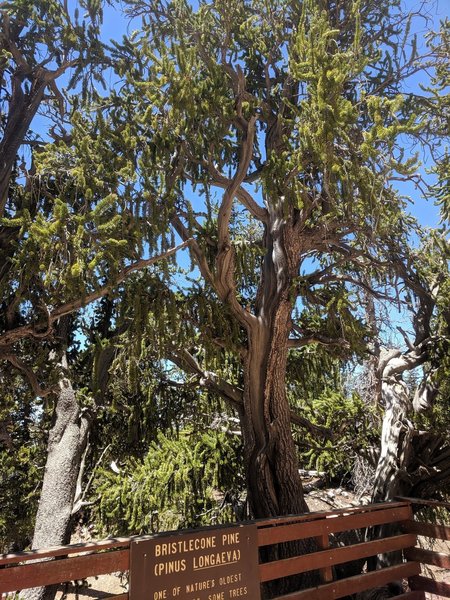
80, 561
429, 557
323, 525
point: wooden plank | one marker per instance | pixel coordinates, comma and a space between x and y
59, 571
436, 503
358, 583
428, 557
366, 508
328, 558
416, 595
124, 542
430, 585
108, 544
326, 573
439, 532
119, 597
299, 531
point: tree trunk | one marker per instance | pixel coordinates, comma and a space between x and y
66, 443
273, 481
412, 463
391, 478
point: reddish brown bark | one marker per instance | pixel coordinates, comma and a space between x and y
274, 484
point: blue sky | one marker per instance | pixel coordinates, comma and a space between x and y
116, 25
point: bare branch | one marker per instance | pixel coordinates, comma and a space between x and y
296, 419
394, 362
317, 338
58, 97
70, 307
12, 47
235, 183
81, 494
328, 276
232, 394
30, 375
244, 197
406, 338
225, 284
195, 249
52, 75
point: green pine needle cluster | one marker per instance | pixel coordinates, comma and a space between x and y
177, 484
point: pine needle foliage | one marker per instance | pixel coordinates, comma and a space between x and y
439, 106
175, 485
22, 456
350, 424
317, 391
267, 136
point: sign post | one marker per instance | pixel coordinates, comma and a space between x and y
209, 564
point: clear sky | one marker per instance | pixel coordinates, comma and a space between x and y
116, 25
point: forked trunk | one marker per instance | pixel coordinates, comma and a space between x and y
273, 480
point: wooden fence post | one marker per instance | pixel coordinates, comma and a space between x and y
323, 542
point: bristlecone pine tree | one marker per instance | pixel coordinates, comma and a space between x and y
284, 120
266, 136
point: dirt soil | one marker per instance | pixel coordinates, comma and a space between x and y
101, 586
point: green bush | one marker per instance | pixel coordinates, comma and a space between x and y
350, 424
178, 484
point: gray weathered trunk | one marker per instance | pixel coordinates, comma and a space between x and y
66, 443
391, 474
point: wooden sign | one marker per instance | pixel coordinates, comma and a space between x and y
208, 564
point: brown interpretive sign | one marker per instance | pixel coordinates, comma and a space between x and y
209, 564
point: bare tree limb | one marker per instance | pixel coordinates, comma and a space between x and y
30, 375
244, 197
225, 278
11, 45
232, 394
395, 363
187, 362
81, 494
317, 338
195, 249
